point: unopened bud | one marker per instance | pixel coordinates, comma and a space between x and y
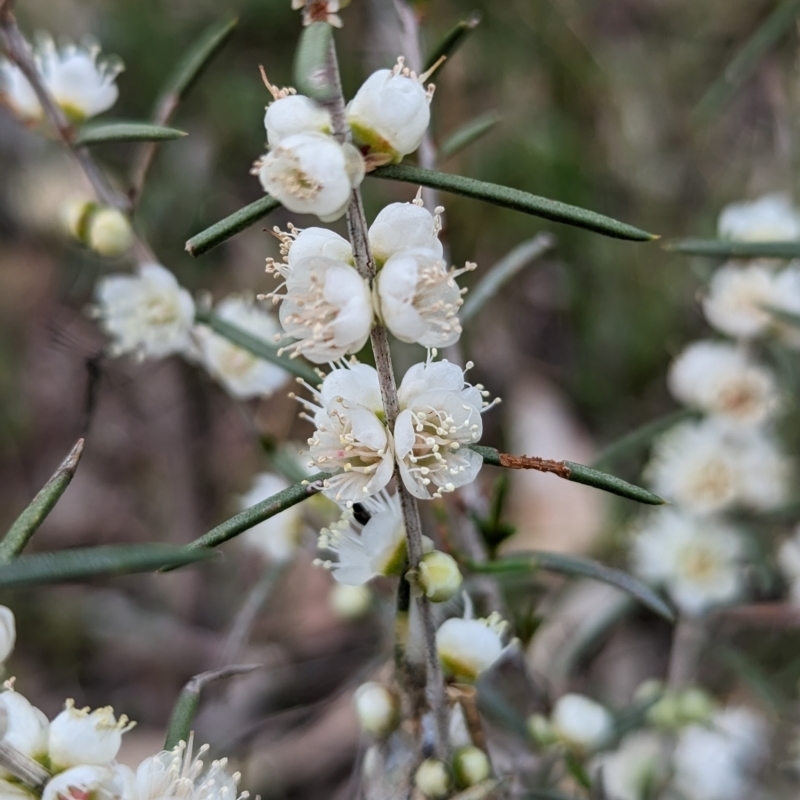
694, 705
665, 713
350, 602
433, 779
438, 576
540, 730
75, 214
471, 766
109, 232
8, 633
377, 708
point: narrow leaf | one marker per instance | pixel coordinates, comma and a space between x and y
196, 59
580, 567
468, 134
507, 197
723, 248
787, 317
185, 708
570, 471
110, 132
259, 512
311, 73
35, 514
258, 347
640, 438
503, 271
89, 562
238, 221
747, 58
452, 40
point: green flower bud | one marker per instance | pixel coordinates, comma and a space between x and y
471, 766
438, 576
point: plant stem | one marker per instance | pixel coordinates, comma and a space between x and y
365, 264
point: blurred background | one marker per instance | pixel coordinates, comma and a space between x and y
605, 105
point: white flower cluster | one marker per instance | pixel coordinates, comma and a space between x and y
729, 458
329, 309
149, 315
310, 172
80, 83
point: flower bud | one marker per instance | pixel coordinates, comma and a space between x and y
580, 723
78, 736
665, 713
438, 576
75, 215
694, 705
26, 725
8, 633
292, 114
377, 708
109, 232
468, 647
433, 779
350, 602
540, 730
471, 766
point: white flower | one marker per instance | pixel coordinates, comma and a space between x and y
351, 439
420, 299
27, 726
147, 314
440, 417
180, 774
89, 781
468, 647
241, 372
80, 85
405, 226
771, 218
379, 548
789, 562
327, 307
631, 771
278, 537
109, 232
716, 762
706, 468
80, 736
738, 299
8, 633
698, 561
295, 113
581, 723
377, 708
720, 379
391, 112
311, 173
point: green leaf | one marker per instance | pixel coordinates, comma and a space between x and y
640, 438
779, 22
569, 470
723, 248
516, 199
787, 317
110, 132
238, 221
453, 39
258, 347
89, 562
502, 272
580, 567
185, 708
258, 513
196, 59
311, 73
468, 134
28, 522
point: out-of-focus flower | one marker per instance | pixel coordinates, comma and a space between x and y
771, 218
720, 379
432, 778
391, 112
8, 633
471, 766
147, 314
698, 561
80, 736
675, 709
311, 173
278, 537
634, 768
580, 723
420, 299
716, 761
26, 726
15, 791
350, 602
789, 562
239, 371
378, 549
438, 576
377, 708
468, 647
80, 83
89, 781
109, 232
